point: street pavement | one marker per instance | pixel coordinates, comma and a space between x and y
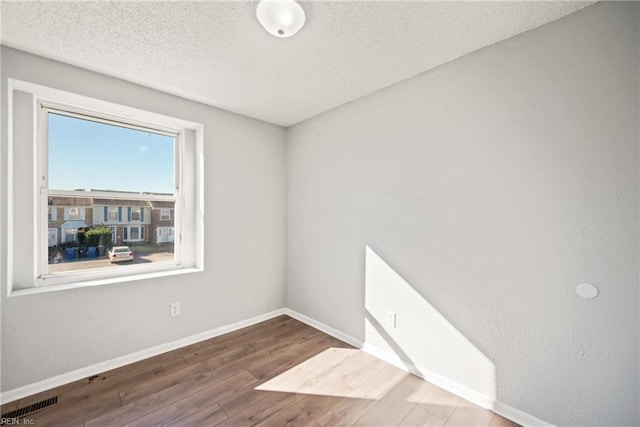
90, 263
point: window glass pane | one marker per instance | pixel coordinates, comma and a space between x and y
81, 244
86, 156
74, 213
133, 233
90, 155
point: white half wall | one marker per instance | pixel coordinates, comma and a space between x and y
51, 334
470, 201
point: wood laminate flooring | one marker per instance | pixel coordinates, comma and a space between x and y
280, 372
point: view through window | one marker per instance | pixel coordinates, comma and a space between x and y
108, 185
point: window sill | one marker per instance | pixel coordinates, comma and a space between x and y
105, 281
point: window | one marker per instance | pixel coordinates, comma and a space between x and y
74, 214
133, 234
104, 158
112, 213
149, 153
165, 215
69, 235
136, 214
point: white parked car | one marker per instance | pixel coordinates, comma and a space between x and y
120, 254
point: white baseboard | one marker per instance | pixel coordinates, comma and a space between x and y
78, 374
518, 416
324, 328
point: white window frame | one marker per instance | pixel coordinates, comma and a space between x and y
80, 213
188, 192
140, 233
53, 213
162, 214
110, 210
64, 237
44, 108
133, 211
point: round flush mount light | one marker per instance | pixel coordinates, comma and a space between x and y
281, 18
587, 290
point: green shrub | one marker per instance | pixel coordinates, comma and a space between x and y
98, 235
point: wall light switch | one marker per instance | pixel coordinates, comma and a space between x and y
391, 319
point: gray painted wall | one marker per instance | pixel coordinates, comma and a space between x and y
486, 190
53, 333
470, 200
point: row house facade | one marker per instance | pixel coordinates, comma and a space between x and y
67, 215
131, 221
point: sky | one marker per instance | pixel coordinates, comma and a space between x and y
91, 155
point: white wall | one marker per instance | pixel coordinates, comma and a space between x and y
54, 333
486, 190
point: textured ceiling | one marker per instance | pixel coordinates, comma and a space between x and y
217, 53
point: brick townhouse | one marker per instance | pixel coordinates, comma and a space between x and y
131, 221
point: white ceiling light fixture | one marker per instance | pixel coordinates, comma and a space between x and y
281, 18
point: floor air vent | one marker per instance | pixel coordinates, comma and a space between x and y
20, 412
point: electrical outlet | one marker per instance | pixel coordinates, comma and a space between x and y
391, 319
175, 309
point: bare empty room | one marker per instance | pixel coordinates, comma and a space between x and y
320, 213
